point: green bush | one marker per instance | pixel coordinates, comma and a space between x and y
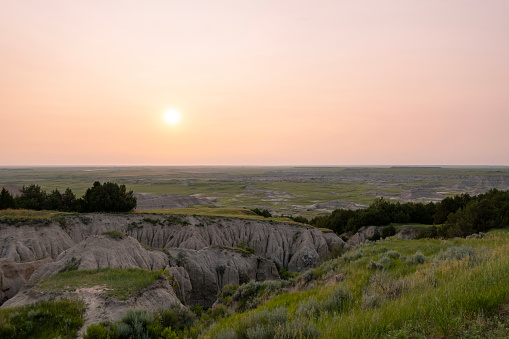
375, 237
151, 221
372, 300
134, 324
417, 258
114, 234
392, 254
388, 231
383, 263
251, 294
338, 301
455, 253
263, 213
96, 331
177, 317
227, 333
71, 265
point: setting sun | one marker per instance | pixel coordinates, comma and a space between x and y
172, 116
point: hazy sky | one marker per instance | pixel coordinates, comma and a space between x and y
257, 82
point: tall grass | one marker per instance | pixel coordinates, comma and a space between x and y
432, 288
446, 297
44, 319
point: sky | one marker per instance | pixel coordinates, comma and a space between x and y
256, 82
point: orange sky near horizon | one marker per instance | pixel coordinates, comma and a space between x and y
256, 82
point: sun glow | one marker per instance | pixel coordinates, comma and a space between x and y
172, 116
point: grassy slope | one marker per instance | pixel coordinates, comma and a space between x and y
440, 298
119, 283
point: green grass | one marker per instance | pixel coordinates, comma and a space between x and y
228, 184
118, 283
44, 319
114, 234
213, 211
444, 299
10, 216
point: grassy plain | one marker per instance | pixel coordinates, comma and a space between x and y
285, 190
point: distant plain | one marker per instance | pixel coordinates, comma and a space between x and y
283, 190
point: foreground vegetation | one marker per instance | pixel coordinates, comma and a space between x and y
44, 319
390, 288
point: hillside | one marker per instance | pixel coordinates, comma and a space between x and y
395, 288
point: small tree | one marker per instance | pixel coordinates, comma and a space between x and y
107, 197
54, 201
69, 201
6, 199
32, 197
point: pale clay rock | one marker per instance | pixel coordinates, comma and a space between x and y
201, 239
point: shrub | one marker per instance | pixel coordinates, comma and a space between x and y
455, 253
392, 254
383, 263
383, 285
428, 232
353, 256
375, 237
114, 234
151, 221
388, 231
284, 274
263, 213
226, 293
178, 318
71, 265
249, 295
260, 332
372, 300
417, 258
218, 311
227, 333
309, 308
263, 324
297, 328
338, 301
134, 324
375, 265
96, 331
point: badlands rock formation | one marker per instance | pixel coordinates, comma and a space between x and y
13, 276
99, 251
199, 251
206, 271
